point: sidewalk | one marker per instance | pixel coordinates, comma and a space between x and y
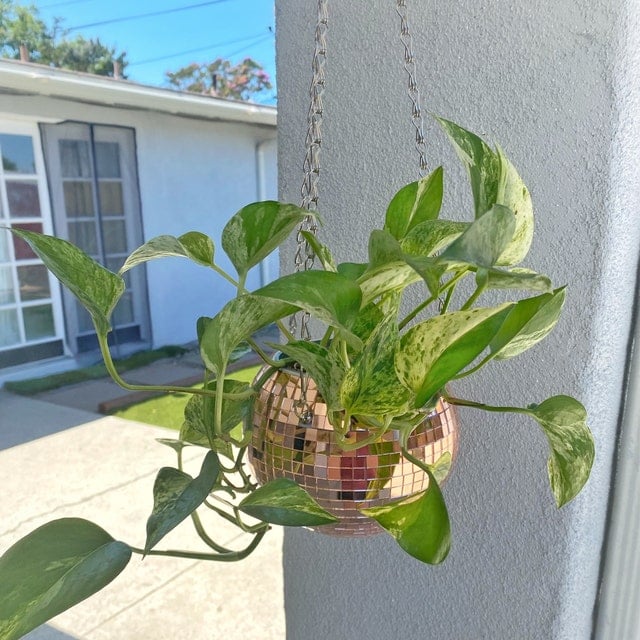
59, 460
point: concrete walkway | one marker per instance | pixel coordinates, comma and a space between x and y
58, 460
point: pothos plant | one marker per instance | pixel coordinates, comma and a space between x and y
373, 363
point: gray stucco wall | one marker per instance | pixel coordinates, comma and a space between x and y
547, 81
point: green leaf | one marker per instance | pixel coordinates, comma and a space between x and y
415, 203
97, 288
371, 386
528, 322
351, 270
494, 180
485, 239
433, 352
256, 230
517, 278
429, 269
52, 569
324, 366
199, 413
193, 245
430, 237
321, 251
367, 320
176, 495
327, 296
419, 523
482, 163
563, 420
237, 321
387, 270
283, 502
513, 193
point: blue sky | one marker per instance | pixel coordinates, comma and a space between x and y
202, 31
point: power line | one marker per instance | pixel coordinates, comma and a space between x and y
258, 41
146, 15
61, 4
259, 37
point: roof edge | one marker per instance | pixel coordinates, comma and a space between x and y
31, 78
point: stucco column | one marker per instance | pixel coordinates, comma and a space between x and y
545, 80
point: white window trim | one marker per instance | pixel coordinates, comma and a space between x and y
20, 127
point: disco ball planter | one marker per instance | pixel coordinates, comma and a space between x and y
293, 438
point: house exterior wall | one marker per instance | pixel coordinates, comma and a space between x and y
193, 175
549, 82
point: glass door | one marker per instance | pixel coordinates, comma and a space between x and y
94, 186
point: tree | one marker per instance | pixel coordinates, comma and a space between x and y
22, 26
222, 79
90, 56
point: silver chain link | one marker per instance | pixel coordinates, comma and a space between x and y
304, 255
413, 91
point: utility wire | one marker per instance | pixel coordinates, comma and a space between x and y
260, 36
146, 15
61, 4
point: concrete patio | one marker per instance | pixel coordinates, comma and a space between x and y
58, 461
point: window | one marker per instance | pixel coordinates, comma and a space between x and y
30, 321
94, 191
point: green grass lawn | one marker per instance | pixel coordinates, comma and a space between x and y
167, 410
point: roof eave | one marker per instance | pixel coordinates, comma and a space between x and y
35, 79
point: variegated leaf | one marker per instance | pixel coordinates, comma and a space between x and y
433, 352
415, 203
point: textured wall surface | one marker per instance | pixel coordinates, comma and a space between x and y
545, 81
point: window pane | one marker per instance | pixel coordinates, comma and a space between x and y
115, 239
9, 332
21, 249
114, 264
110, 194
83, 235
108, 159
123, 313
7, 294
34, 282
75, 159
78, 199
17, 153
84, 319
38, 322
23, 199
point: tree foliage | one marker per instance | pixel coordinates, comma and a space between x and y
220, 78
50, 44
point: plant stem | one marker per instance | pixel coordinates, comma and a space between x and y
474, 296
485, 407
218, 557
111, 369
423, 305
254, 345
287, 334
225, 275
448, 288
197, 523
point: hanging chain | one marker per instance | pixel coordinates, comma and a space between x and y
413, 91
304, 255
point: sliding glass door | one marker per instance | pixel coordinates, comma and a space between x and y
94, 190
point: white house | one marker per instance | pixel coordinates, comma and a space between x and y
109, 164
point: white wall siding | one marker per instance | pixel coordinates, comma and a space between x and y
193, 175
